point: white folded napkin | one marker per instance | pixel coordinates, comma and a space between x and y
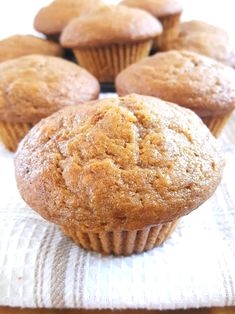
39, 267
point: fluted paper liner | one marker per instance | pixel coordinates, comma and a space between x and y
107, 61
122, 242
216, 124
170, 31
12, 133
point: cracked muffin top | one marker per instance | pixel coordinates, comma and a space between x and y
185, 78
206, 39
35, 86
20, 45
110, 24
158, 8
52, 19
120, 163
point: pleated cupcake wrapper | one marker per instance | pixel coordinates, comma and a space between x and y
107, 61
170, 31
122, 242
216, 124
12, 133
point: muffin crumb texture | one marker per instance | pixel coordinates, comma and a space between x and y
35, 86
118, 164
185, 78
21, 45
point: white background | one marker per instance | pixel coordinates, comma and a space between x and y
16, 16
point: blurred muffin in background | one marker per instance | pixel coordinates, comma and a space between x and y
195, 26
117, 175
206, 39
33, 87
109, 39
22, 45
52, 19
167, 11
188, 79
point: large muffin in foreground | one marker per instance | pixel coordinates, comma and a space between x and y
109, 39
205, 39
167, 11
187, 79
118, 174
34, 87
52, 19
21, 45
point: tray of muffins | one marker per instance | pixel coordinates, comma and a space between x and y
116, 174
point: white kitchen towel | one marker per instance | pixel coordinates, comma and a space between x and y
39, 267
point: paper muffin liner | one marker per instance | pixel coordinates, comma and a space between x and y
107, 61
216, 124
171, 26
12, 133
122, 242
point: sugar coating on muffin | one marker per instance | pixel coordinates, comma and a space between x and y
21, 45
53, 18
35, 86
109, 25
183, 77
115, 164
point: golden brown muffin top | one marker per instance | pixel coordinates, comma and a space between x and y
118, 164
205, 39
158, 8
185, 78
109, 25
33, 87
53, 18
21, 45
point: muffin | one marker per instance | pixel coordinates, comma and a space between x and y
52, 19
22, 45
118, 174
195, 26
33, 87
111, 38
187, 79
167, 11
205, 39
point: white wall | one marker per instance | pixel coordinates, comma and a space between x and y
16, 16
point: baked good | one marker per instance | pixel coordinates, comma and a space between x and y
22, 45
35, 86
196, 26
205, 39
167, 11
111, 38
52, 19
118, 174
187, 79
